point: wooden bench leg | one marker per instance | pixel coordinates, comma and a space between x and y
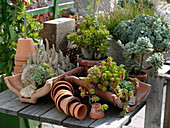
154, 102
167, 107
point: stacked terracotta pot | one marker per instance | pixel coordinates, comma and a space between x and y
25, 47
62, 94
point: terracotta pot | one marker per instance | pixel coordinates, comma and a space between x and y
63, 82
88, 63
62, 91
59, 87
15, 84
18, 69
20, 63
80, 111
24, 48
140, 95
142, 78
65, 103
96, 113
72, 107
59, 98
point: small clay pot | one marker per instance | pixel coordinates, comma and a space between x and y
20, 63
17, 68
80, 111
72, 107
96, 113
65, 103
59, 98
63, 91
63, 82
25, 47
60, 87
142, 78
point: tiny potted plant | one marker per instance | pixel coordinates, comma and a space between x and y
134, 54
91, 37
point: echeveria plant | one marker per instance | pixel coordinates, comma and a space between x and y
142, 25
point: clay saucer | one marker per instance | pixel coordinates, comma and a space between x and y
63, 82
72, 107
80, 111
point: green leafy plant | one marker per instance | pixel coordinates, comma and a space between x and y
145, 3
142, 25
11, 28
109, 77
92, 38
122, 13
134, 53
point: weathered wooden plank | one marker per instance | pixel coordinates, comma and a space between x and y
72, 122
112, 118
53, 116
12, 107
5, 97
167, 106
34, 111
154, 102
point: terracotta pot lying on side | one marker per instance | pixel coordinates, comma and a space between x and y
15, 84
141, 93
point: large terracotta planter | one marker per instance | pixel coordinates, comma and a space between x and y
141, 93
96, 113
15, 84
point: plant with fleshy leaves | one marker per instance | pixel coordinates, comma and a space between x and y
142, 25
155, 61
108, 77
37, 74
134, 54
92, 38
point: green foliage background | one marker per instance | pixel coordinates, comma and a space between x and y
12, 28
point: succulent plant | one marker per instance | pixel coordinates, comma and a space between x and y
156, 61
57, 61
108, 76
37, 74
134, 53
92, 38
142, 25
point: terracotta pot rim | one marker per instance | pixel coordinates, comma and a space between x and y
63, 82
72, 107
80, 114
59, 87
67, 102
58, 100
89, 63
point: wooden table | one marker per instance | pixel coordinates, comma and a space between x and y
46, 111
